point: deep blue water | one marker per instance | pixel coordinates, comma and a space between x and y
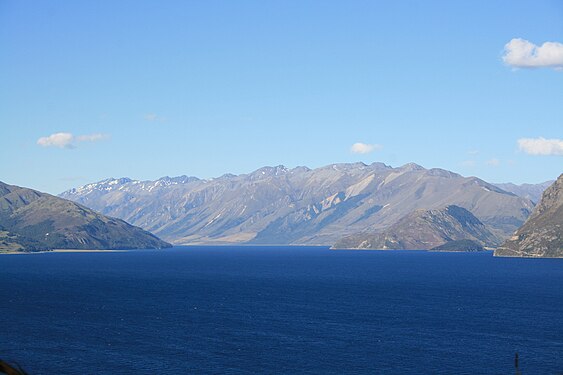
280, 310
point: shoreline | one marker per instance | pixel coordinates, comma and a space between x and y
86, 251
62, 251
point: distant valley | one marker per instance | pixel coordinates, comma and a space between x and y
532, 192
278, 205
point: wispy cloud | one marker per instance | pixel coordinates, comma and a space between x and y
68, 140
152, 117
541, 146
493, 162
364, 148
521, 53
91, 137
468, 163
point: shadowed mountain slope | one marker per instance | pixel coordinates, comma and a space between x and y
424, 230
31, 221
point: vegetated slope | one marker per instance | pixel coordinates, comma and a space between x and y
459, 245
277, 205
542, 234
424, 230
31, 221
532, 192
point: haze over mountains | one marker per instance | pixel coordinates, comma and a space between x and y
277, 205
33, 221
531, 191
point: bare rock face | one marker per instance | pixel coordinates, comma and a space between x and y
542, 234
278, 205
424, 230
33, 221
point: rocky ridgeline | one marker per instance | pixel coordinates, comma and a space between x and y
542, 234
279, 205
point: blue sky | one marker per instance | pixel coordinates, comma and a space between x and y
146, 89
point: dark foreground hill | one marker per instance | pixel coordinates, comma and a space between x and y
277, 205
32, 221
424, 230
542, 234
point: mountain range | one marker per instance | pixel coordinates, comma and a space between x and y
34, 221
278, 205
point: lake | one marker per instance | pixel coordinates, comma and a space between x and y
244, 310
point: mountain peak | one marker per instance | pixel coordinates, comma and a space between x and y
442, 173
269, 171
104, 185
409, 167
344, 166
300, 168
183, 179
379, 166
114, 181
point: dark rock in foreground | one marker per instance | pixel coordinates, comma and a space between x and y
424, 230
35, 221
542, 234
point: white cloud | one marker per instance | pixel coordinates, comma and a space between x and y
468, 163
61, 140
364, 148
68, 140
521, 53
541, 146
493, 162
